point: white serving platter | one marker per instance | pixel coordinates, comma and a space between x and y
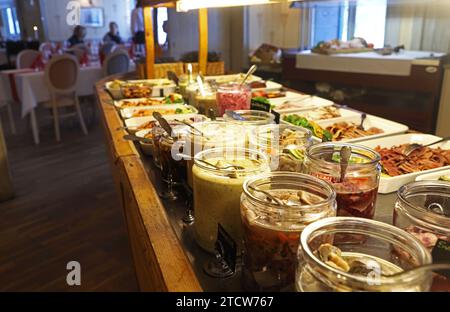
128, 112
301, 102
147, 148
312, 115
133, 124
119, 103
433, 176
392, 184
162, 87
270, 86
389, 127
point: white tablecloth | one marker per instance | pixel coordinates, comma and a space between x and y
366, 63
32, 89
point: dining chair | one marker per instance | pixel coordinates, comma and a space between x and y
26, 58
108, 48
61, 76
117, 62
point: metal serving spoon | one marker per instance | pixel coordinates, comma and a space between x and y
220, 168
249, 73
163, 122
412, 147
190, 126
346, 153
363, 118
135, 138
270, 196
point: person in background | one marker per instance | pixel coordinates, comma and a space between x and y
137, 24
79, 33
113, 35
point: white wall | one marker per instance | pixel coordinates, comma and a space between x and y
275, 24
54, 14
183, 32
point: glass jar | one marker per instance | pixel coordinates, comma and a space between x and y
173, 167
356, 195
423, 210
387, 250
233, 96
272, 229
286, 145
211, 134
157, 133
206, 101
218, 188
191, 92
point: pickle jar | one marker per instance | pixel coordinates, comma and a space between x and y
204, 101
286, 145
208, 135
327, 262
218, 176
356, 191
173, 166
275, 208
233, 96
423, 210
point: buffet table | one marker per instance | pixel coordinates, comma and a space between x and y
165, 255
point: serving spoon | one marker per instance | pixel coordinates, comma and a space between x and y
135, 138
363, 118
345, 153
163, 122
249, 73
220, 168
412, 147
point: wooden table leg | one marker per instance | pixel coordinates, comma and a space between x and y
34, 127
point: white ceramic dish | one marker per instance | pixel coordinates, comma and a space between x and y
392, 184
119, 103
301, 102
133, 124
147, 148
434, 176
161, 88
389, 127
312, 115
270, 86
168, 109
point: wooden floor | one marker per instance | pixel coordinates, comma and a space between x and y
65, 210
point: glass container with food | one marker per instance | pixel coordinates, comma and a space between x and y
233, 96
157, 133
208, 135
286, 145
356, 191
218, 176
275, 208
329, 262
423, 210
172, 165
206, 101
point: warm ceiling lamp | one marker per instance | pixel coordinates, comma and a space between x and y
186, 5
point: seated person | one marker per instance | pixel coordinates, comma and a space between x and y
113, 35
79, 33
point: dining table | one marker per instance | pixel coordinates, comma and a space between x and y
28, 87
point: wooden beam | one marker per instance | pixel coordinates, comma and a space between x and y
203, 40
149, 43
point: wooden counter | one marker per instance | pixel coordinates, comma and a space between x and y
160, 262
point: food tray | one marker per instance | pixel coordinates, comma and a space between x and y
389, 127
345, 113
270, 86
163, 87
129, 111
230, 78
303, 101
118, 103
392, 184
434, 176
133, 123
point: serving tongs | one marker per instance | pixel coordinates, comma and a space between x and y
415, 146
163, 123
135, 138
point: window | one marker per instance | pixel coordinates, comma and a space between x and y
348, 19
11, 23
161, 18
